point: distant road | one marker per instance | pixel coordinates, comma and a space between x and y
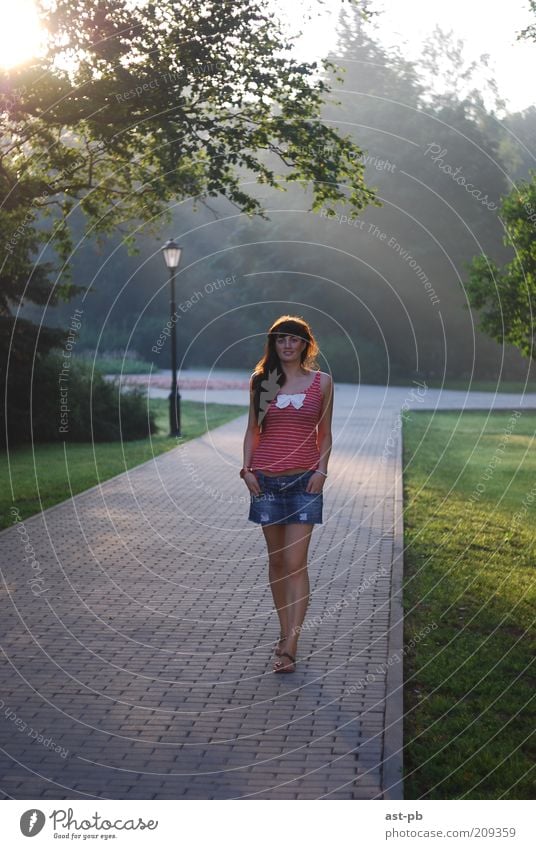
230, 386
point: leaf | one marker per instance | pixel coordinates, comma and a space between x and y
269, 389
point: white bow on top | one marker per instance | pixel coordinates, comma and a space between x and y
296, 400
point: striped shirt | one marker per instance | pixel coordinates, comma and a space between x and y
289, 431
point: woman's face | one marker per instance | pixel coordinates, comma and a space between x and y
289, 347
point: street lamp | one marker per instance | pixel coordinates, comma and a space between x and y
172, 255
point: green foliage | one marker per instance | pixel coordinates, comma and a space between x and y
506, 297
118, 364
160, 102
74, 404
530, 31
132, 108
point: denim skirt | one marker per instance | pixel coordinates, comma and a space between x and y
283, 500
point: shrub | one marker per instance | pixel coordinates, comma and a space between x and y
74, 404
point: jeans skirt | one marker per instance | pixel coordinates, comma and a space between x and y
283, 500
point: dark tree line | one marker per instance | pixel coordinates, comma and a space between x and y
120, 118
440, 160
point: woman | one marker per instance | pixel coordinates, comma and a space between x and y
286, 452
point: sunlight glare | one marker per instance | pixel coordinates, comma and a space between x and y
21, 34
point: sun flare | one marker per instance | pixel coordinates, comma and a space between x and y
21, 34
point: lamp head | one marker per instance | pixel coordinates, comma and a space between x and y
172, 254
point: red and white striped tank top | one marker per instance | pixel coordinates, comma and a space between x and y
289, 436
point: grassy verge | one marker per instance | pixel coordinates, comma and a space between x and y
470, 552
118, 365
44, 476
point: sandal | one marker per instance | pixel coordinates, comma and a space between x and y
278, 666
277, 649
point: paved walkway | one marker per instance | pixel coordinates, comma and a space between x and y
138, 629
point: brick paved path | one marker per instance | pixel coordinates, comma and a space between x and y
138, 662
138, 628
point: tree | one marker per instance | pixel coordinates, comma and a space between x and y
135, 106
506, 297
383, 102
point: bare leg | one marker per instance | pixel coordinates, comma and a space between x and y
275, 541
296, 583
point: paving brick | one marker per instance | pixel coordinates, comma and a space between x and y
151, 648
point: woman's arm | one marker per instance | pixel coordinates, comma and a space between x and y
251, 439
324, 437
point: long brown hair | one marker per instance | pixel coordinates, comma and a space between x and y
270, 364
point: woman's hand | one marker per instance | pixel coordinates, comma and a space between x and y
252, 483
316, 482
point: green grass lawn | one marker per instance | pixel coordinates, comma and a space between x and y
44, 476
469, 572
117, 365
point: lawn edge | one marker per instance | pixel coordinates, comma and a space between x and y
113, 477
393, 738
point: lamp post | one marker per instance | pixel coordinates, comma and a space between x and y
172, 255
